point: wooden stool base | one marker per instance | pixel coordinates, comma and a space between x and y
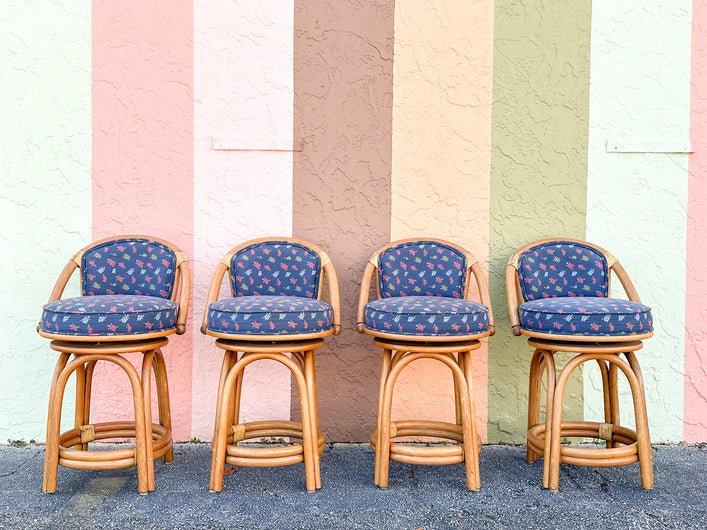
584, 456
152, 440
109, 458
228, 431
457, 357
623, 446
430, 456
268, 456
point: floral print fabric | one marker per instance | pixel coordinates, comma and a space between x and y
105, 315
269, 315
586, 316
426, 315
128, 267
285, 269
421, 268
563, 269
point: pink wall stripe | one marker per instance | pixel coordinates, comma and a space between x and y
695, 398
142, 110
242, 173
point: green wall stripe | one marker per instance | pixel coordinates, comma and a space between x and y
540, 121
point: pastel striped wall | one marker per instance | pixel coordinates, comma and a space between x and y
45, 189
350, 124
442, 105
243, 90
695, 374
636, 201
538, 170
142, 155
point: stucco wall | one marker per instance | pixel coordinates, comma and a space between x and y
243, 86
343, 71
538, 170
636, 200
45, 187
350, 124
442, 105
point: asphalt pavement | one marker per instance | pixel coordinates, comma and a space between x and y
427, 497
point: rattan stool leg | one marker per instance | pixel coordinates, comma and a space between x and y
218, 443
163, 398
311, 379
51, 451
457, 393
385, 370
534, 389
548, 361
146, 378
645, 456
468, 414
80, 402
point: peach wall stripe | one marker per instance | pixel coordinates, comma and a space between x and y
695, 397
142, 108
442, 78
243, 172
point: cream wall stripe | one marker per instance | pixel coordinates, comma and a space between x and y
45, 190
637, 202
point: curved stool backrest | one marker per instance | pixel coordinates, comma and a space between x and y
423, 267
556, 267
131, 265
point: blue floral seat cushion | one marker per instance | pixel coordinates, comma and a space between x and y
269, 315
276, 269
128, 267
421, 268
426, 315
106, 315
583, 315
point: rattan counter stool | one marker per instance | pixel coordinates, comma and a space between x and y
135, 292
277, 313
558, 295
422, 311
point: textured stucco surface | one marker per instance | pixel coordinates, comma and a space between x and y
45, 190
636, 202
243, 97
538, 171
695, 429
343, 81
142, 167
440, 161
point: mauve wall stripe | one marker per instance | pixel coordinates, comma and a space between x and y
343, 84
142, 110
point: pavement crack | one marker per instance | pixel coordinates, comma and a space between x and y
21, 465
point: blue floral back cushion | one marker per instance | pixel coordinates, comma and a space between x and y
128, 266
276, 269
421, 268
563, 269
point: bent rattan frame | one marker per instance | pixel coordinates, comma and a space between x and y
623, 446
401, 350
240, 351
182, 291
473, 267
152, 440
70, 449
228, 431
